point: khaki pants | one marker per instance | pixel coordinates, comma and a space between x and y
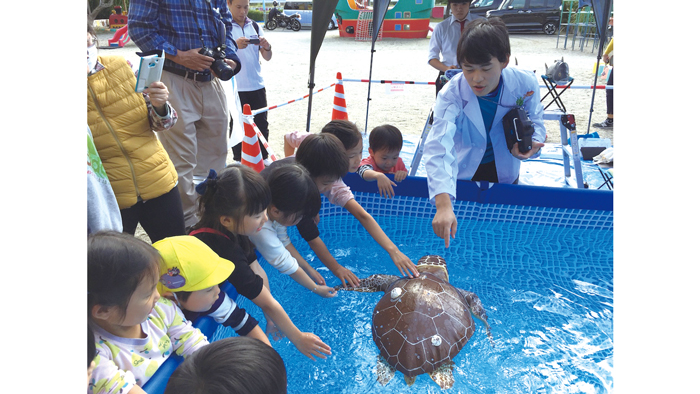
198, 141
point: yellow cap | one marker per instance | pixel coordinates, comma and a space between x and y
189, 265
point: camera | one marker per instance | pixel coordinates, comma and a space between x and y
519, 129
220, 68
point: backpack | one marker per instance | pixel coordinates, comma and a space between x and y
558, 72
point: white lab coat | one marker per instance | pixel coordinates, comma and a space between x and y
457, 140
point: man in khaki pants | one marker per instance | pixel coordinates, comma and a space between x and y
198, 142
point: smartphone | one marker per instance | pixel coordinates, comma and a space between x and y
150, 70
255, 41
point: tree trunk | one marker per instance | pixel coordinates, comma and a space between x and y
91, 15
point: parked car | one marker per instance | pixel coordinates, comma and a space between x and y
480, 7
304, 8
529, 15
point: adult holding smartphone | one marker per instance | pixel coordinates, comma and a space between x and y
249, 82
122, 122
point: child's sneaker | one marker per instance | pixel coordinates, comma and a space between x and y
606, 124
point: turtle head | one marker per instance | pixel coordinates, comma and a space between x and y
435, 265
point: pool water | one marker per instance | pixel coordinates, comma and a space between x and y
547, 290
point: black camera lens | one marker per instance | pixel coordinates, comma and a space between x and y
220, 68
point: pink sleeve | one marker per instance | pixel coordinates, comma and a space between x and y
295, 137
367, 160
400, 166
340, 194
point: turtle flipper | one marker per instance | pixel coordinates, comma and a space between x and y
385, 372
477, 310
371, 283
443, 375
409, 380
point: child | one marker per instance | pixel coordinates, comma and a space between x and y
324, 156
467, 140
385, 143
294, 195
191, 272
135, 330
237, 365
232, 207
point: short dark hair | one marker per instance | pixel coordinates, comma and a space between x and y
237, 191
235, 365
117, 262
483, 39
385, 137
346, 131
294, 191
323, 155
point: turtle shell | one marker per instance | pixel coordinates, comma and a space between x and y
421, 323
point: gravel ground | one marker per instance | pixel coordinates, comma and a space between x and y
286, 78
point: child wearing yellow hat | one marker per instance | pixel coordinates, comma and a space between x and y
191, 272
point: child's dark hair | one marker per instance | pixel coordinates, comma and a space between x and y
323, 155
385, 137
234, 365
92, 348
237, 191
483, 39
293, 191
117, 262
346, 132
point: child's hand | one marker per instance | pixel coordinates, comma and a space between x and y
315, 276
311, 345
325, 291
400, 175
344, 275
385, 186
404, 264
272, 329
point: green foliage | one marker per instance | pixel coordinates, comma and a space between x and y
255, 15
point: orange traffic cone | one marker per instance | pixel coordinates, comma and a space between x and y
340, 111
250, 149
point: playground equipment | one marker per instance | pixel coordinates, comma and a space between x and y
406, 19
120, 38
117, 19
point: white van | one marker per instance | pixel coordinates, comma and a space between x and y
304, 8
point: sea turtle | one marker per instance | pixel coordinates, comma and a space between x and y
420, 324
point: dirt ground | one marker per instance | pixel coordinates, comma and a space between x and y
287, 74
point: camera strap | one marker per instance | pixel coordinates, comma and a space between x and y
219, 26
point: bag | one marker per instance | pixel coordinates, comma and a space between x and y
558, 72
518, 129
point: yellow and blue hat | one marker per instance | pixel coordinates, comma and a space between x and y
188, 264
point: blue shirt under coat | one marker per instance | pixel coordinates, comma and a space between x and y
457, 140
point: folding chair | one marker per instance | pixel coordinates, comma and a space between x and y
552, 90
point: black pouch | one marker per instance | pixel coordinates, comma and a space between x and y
519, 129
